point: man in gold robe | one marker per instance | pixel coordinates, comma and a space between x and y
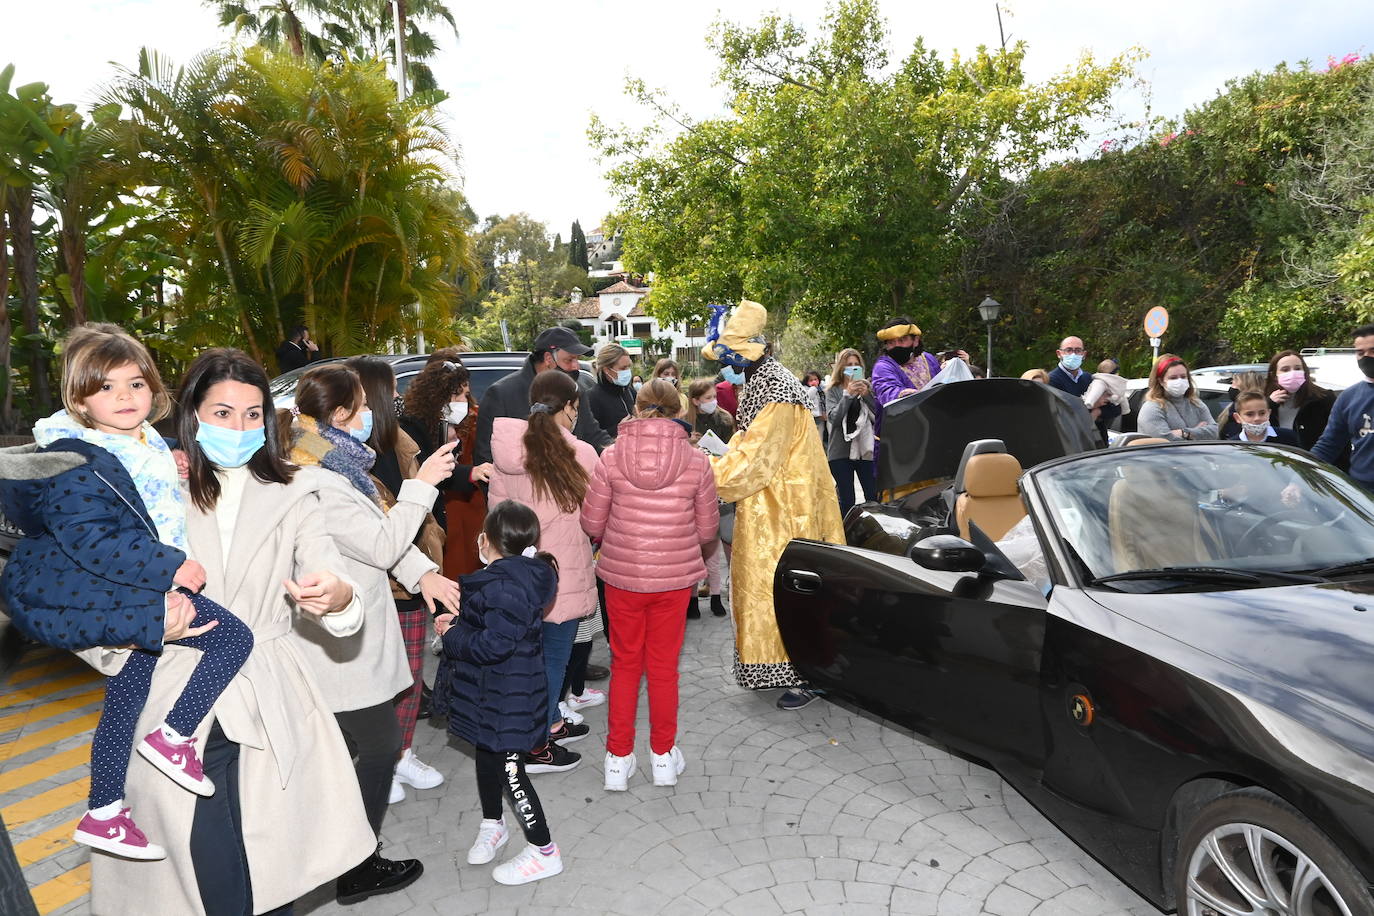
776, 474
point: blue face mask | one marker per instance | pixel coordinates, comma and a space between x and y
622, 378
732, 375
362, 435
1071, 361
854, 372
229, 448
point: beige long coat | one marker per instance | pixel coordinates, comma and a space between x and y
303, 820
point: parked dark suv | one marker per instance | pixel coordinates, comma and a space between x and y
483, 369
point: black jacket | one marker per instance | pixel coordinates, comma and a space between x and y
610, 403
510, 397
497, 691
1309, 424
90, 570
292, 356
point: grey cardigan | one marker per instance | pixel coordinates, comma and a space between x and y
1160, 420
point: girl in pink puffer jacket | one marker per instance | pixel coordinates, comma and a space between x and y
652, 502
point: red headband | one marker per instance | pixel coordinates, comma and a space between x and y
1165, 364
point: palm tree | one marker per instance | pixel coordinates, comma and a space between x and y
277, 23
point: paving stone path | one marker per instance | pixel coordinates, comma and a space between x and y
822, 811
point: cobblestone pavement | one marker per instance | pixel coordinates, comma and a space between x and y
822, 811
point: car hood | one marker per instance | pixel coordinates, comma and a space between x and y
1281, 645
924, 434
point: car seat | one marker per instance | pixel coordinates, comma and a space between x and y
1153, 521
990, 496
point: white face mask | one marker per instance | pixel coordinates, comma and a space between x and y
455, 412
1176, 387
1256, 430
707, 407
481, 552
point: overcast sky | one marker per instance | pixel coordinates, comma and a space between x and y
524, 76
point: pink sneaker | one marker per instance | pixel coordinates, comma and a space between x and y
178, 761
118, 836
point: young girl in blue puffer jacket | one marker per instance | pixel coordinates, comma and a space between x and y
103, 562
495, 685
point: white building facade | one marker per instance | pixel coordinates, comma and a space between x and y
617, 313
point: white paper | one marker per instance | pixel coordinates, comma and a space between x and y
956, 370
712, 443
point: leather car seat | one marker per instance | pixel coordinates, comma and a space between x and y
1153, 522
991, 498
1147, 440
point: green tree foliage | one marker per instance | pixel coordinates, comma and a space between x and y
835, 184
310, 193
577, 247
526, 282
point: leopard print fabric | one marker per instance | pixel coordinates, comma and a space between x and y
770, 384
767, 675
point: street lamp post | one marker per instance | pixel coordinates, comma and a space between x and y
989, 308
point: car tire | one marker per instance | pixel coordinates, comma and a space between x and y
1231, 828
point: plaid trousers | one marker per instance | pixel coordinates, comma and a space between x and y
414, 633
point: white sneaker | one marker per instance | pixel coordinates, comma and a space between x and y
398, 792
667, 767
618, 771
586, 699
412, 771
491, 836
529, 865
569, 713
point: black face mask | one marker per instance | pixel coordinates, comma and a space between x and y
574, 374
1366, 364
901, 354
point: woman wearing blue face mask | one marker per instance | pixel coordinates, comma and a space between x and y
850, 410
359, 679
612, 398
255, 525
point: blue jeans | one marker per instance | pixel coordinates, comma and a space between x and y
843, 470
558, 642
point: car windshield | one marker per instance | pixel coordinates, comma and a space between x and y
1220, 515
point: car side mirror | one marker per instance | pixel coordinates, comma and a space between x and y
948, 553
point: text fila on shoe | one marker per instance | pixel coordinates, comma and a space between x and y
619, 770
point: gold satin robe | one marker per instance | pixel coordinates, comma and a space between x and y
777, 475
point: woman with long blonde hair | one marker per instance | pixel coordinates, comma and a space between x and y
851, 413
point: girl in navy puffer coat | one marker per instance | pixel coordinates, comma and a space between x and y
101, 506
497, 691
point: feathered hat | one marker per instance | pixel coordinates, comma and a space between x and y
736, 340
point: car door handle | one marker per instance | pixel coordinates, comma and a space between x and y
802, 580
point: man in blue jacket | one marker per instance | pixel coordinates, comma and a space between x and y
1350, 428
1069, 376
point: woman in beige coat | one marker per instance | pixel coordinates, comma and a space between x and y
287, 815
360, 675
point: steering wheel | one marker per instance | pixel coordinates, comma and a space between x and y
1266, 541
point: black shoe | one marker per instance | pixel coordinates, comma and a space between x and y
554, 758
425, 694
569, 733
596, 673
796, 698
693, 609
717, 606
376, 876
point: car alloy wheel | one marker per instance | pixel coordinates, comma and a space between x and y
1250, 854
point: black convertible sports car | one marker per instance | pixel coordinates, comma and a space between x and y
1167, 648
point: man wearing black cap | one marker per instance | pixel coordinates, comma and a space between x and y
556, 349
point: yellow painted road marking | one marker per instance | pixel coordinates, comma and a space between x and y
45, 803
50, 735
47, 843
37, 692
62, 663
62, 890
41, 711
48, 767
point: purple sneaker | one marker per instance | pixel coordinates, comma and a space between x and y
178, 761
118, 836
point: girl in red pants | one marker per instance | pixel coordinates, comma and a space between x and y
652, 502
